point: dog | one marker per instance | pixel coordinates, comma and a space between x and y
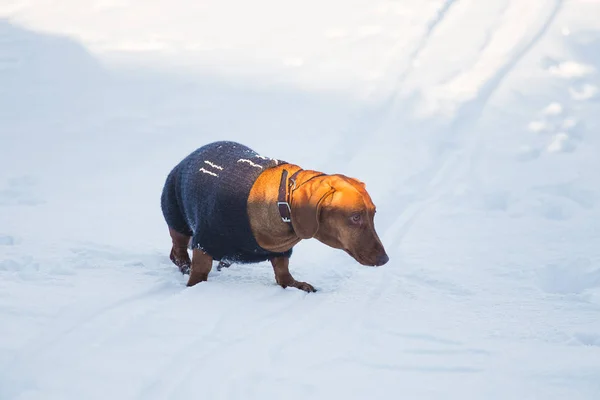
230, 204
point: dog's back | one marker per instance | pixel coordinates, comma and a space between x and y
205, 197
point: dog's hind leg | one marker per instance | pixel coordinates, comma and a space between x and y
201, 266
179, 252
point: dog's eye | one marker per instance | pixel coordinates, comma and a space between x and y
356, 218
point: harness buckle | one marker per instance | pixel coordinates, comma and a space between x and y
284, 207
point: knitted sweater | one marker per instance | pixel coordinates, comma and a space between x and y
205, 196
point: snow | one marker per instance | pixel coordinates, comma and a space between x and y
570, 69
473, 124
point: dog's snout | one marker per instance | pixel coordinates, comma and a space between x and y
382, 259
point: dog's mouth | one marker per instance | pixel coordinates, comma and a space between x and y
361, 260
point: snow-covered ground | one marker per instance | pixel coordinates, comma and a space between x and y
474, 124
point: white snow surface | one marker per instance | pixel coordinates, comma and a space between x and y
474, 125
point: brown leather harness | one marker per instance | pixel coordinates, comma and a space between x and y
286, 188
285, 192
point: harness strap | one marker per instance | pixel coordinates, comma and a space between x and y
285, 190
286, 187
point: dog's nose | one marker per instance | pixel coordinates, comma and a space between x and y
382, 259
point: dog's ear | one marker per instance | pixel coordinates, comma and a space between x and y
306, 207
358, 182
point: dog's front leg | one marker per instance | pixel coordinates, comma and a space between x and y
201, 266
283, 276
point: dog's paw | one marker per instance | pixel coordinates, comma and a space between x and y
196, 278
185, 269
181, 260
223, 264
307, 287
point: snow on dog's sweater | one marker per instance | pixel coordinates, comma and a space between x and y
205, 196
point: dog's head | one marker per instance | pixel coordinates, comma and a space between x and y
338, 211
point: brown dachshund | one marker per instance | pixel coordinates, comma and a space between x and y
285, 204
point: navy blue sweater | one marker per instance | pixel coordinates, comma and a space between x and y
205, 196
